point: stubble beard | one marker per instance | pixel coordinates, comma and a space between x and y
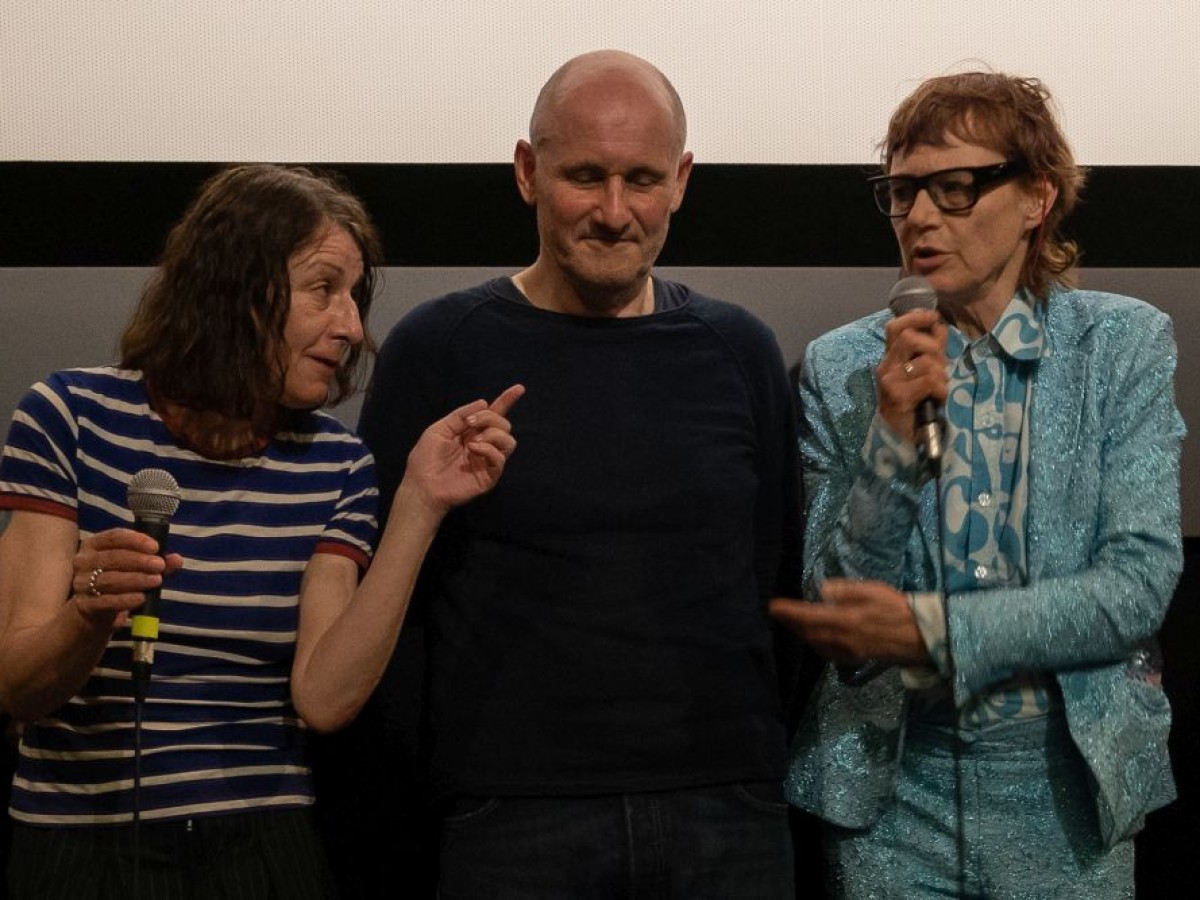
605, 283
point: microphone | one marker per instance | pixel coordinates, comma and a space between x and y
915, 292
153, 495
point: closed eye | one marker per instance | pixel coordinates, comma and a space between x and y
585, 175
645, 179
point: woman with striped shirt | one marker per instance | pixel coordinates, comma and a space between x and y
269, 626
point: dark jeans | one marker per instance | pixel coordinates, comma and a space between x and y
245, 856
724, 842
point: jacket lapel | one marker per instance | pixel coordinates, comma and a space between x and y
1060, 386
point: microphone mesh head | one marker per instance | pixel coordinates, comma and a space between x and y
913, 292
153, 492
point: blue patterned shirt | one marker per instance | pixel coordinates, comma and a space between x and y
985, 494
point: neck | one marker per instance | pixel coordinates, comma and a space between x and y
211, 434
557, 295
977, 314
972, 320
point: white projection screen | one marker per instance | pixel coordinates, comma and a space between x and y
379, 81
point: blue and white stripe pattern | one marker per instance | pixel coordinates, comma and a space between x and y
219, 731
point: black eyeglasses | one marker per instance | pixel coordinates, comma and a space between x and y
951, 190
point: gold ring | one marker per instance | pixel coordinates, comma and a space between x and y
93, 589
908, 368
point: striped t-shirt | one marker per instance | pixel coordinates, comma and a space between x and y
219, 732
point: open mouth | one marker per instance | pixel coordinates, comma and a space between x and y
926, 257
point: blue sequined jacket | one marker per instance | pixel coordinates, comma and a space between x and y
1104, 550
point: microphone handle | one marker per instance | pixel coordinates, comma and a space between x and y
927, 413
929, 434
157, 528
144, 624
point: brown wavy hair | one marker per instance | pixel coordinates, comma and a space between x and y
208, 331
1015, 116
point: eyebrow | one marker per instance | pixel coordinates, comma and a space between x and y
321, 264
314, 265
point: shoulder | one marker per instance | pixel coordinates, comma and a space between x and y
330, 438
732, 320
323, 421
423, 331
100, 379
1098, 321
448, 309
102, 387
1082, 310
850, 346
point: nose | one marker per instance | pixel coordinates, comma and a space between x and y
923, 208
613, 207
346, 322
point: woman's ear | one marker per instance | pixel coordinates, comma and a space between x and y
1039, 201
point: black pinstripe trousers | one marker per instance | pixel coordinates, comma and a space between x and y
272, 855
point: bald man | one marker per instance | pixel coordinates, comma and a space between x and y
603, 707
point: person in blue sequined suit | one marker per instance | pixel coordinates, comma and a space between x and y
1017, 735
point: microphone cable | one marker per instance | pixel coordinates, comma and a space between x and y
153, 496
960, 838
137, 799
916, 292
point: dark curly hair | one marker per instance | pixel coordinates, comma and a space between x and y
208, 331
1014, 116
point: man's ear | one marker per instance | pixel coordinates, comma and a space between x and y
525, 169
681, 179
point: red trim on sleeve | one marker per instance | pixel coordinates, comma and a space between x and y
351, 553
37, 505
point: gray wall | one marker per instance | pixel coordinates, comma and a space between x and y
55, 318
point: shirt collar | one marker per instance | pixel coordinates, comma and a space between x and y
1019, 333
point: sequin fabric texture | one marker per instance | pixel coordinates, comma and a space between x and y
1102, 553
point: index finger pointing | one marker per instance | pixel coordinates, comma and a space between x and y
507, 399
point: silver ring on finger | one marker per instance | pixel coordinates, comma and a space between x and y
93, 588
909, 368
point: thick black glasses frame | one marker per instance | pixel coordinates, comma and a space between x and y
981, 177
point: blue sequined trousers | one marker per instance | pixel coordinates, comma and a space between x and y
980, 815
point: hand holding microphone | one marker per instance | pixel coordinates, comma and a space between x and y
912, 374
153, 495
118, 572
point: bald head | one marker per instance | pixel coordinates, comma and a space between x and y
603, 68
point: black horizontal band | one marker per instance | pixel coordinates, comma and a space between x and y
117, 214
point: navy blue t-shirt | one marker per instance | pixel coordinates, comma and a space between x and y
597, 623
